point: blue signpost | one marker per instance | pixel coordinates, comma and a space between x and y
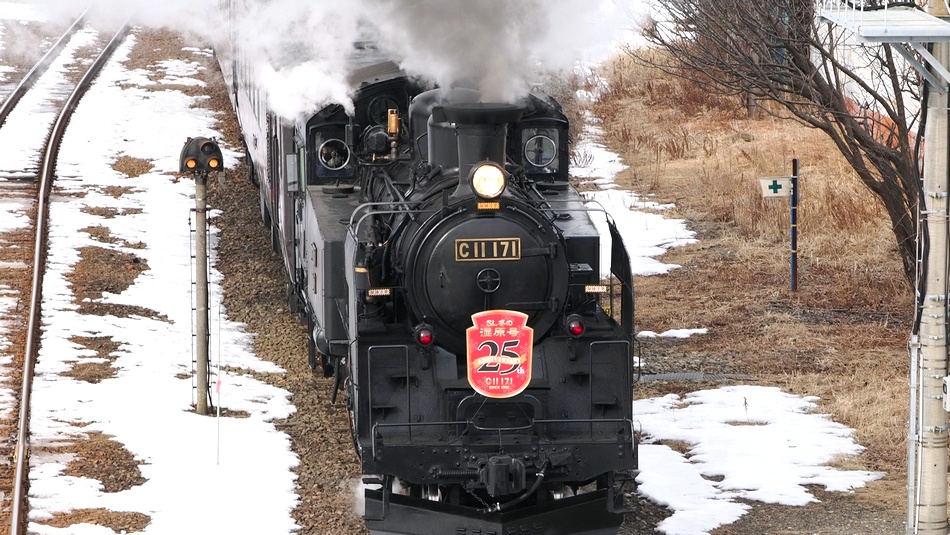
787, 187
794, 210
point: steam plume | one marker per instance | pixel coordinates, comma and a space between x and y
299, 48
500, 45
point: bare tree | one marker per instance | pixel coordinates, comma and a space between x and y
864, 97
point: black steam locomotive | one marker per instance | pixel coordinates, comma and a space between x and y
450, 279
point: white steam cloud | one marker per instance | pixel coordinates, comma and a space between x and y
499, 45
299, 48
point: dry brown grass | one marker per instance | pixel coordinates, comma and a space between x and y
843, 335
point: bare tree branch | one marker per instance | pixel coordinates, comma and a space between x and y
857, 95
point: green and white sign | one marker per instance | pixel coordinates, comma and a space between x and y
776, 186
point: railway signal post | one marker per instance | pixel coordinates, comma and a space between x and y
199, 157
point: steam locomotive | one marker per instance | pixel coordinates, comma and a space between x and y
450, 278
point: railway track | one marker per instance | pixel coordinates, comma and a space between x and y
16, 61
33, 121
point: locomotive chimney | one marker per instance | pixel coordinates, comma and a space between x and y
482, 134
426, 117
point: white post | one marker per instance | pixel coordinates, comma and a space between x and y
201, 263
912, 431
932, 485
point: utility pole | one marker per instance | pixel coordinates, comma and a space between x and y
199, 157
931, 513
906, 27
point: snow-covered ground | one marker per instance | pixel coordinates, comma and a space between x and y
241, 469
646, 234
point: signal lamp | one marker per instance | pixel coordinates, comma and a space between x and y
423, 335
488, 180
200, 155
574, 325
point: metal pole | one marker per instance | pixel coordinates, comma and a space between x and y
794, 210
201, 299
932, 486
912, 430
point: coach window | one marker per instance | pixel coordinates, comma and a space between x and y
379, 109
540, 150
302, 170
334, 155
333, 160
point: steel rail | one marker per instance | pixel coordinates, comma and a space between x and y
46, 175
41, 66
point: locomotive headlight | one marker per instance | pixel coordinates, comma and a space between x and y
488, 180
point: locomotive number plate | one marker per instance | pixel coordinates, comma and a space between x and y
472, 249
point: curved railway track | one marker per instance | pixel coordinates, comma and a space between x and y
41, 66
32, 186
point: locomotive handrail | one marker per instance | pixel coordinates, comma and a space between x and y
516, 428
367, 205
354, 223
382, 212
582, 200
536, 421
574, 201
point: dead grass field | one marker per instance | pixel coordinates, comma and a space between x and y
843, 335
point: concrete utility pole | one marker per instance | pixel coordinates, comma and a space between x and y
903, 27
932, 487
199, 157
